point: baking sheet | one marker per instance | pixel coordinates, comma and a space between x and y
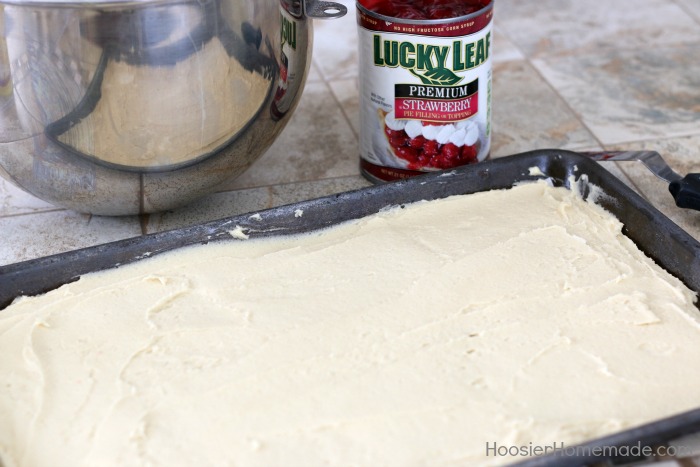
665, 242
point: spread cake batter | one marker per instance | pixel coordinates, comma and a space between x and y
416, 336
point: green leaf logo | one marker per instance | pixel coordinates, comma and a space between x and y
438, 77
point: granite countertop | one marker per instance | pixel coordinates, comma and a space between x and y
566, 75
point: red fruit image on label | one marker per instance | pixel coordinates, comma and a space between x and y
437, 147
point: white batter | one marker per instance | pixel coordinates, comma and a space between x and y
413, 337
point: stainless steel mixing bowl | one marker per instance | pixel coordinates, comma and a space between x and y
122, 107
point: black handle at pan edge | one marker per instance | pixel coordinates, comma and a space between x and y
686, 191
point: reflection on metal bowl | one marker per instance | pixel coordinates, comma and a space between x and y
124, 107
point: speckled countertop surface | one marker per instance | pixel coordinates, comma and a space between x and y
566, 75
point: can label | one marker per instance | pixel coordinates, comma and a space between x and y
425, 92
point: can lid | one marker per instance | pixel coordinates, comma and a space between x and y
361, 6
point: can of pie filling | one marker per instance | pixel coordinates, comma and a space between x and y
425, 85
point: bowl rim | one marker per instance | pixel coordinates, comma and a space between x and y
90, 4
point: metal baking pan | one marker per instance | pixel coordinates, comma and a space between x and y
662, 240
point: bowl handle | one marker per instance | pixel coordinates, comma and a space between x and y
318, 9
